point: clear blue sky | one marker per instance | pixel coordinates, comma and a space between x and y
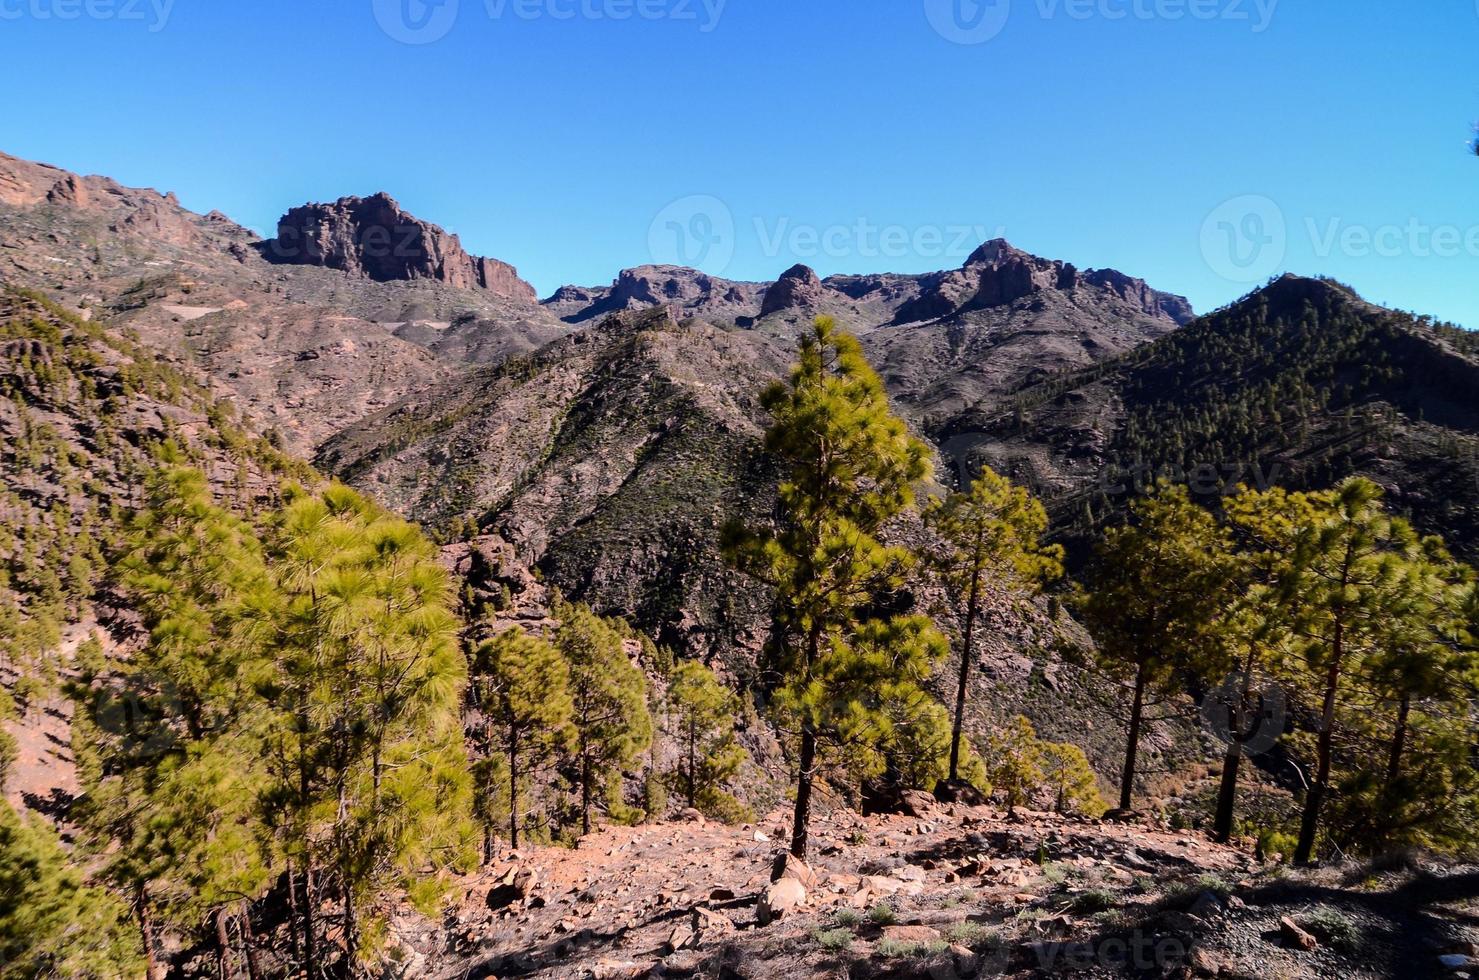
854, 135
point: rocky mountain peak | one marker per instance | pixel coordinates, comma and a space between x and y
645, 286
375, 238
799, 287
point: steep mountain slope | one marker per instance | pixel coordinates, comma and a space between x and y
307, 348
943, 340
610, 459
83, 411
1301, 383
356, 303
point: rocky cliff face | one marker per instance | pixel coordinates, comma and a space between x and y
304, 349
373, 237
798, 288
693, 293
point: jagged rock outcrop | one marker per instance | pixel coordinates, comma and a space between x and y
373, 237
695, 293
69, 190
799, 287
998, 274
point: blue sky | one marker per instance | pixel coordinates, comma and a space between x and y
1200, 144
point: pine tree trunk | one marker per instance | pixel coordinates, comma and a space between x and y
1316, 797
513, 791
1227, 792
971, 609
295, 920
802, 814
153, 970
310, 941
1132, 744
249, 942
1399, 742
346, 884
223, 945
692, 751
585, 793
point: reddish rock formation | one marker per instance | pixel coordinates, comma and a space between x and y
797, 288
68, 190
374, 238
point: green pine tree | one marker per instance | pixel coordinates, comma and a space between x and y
523, 685
850, 466
52, 922
993, 555
1152, 604
609, 693
1014, 760
363, 682
703, 712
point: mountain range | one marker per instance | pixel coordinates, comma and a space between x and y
372, 342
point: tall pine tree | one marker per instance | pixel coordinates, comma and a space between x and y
993, 555
850, 465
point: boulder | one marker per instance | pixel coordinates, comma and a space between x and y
788, 865
1294, 937
918, 803
780, 898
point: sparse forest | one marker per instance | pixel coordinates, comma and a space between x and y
309, 730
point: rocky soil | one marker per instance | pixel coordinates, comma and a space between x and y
947, 891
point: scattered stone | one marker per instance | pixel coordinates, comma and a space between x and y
681, 937
1295, 937
781, 896
1205, 963
708, 924
1207, 907
788, 865
918, 803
